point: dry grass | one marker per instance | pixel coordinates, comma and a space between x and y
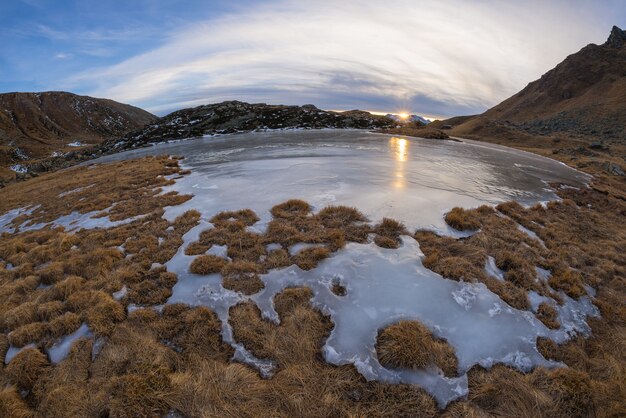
548, 315
242, 276
153, 362
410, 345
462, 219
291, 208
12, 405
207, 264
388, 233
26, 367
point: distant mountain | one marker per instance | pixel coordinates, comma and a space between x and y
409, 118
582, 97
36, 125
234, 116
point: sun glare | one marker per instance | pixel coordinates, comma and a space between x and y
403, 115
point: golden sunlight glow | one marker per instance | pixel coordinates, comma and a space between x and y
403, 115
400, 148
400, 151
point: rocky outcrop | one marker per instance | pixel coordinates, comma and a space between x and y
617, 38
583, 97
234, 116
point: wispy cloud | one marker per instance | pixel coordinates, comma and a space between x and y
429, 56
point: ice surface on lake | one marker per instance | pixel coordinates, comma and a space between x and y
218, 250
384, 286
409, 179
412, 180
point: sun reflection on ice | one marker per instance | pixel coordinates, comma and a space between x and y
400, 152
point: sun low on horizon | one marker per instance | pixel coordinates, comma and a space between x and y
353, 55
277, 208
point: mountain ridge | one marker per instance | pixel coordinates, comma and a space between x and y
583, 97
36, 125
235, 116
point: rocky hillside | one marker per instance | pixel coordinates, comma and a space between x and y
36, 125
583, 97
234, 116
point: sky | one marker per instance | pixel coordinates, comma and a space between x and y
436, 58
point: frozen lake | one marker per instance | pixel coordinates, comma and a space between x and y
410, 179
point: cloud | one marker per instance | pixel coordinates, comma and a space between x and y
433, 57
62, 56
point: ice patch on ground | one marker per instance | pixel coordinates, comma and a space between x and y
530, 233
296, 248
218, 250
7, 218
61, 348
384, 286
493, 270
74, 221
14, 351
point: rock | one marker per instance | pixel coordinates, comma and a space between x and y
613, 169
446, 126
617, 38
597, 145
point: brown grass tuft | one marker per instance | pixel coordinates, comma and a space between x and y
64, 324
242, 276
207, 264
409, 344
462, 220
29, 333
291, 208
12, 405
277, 259
247, 217
26, 367
340, 216
569, 281
51, 273
20, 315
309, 258
50, 310
104, 314
548, 315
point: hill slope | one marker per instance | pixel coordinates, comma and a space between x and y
34, 125
583, 97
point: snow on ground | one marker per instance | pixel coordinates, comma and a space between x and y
18, 168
